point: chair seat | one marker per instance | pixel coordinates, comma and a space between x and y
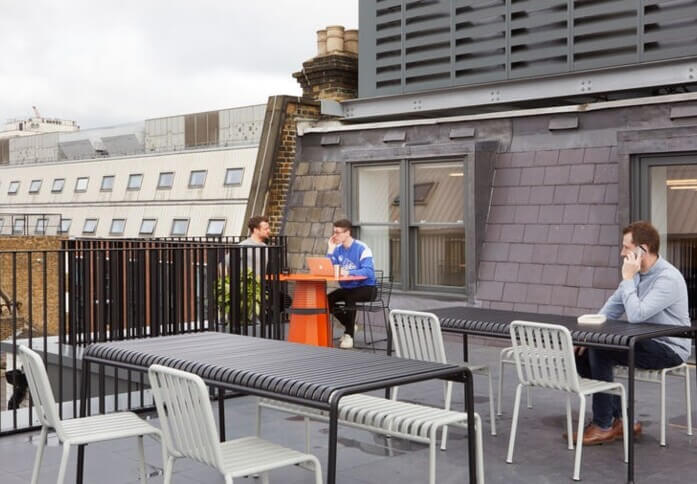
252, 455
390, 416
652, 376
106, 427
589, 386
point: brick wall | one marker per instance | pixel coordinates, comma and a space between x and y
315, 202
285, 158
551, 241
15, 283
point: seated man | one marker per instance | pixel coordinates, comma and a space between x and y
355, 259
652, 291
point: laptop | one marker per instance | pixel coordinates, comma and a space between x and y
320, 266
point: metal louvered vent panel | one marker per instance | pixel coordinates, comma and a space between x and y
670, 28
415, 45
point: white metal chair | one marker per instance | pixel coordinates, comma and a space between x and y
189, 431
659, 376
544, 358
417, 336
507, 358
76, 431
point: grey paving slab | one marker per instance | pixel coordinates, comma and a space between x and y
364, 457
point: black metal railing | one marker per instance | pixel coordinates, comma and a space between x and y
59, 300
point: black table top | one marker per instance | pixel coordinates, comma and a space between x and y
491, 322
287, 371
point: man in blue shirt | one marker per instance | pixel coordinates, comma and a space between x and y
355, 259
652, 291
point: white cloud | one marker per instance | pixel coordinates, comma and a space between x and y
110, 62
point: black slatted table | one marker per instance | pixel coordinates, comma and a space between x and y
618, 335
308, 375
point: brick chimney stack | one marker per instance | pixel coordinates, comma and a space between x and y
333, 72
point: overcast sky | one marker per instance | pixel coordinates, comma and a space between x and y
106, 62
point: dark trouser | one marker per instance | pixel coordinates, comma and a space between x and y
598, 364
347, 314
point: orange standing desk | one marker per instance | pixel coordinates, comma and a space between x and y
309, 313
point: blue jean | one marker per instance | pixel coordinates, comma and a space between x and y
597, 364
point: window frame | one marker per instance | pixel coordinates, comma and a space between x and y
154, 226
222, 230
62, 222
45, 225
84, 225
203, 183
77, 183
123, 228
174, 223
53, 185
140, 184
110, 188
13, 187
409, 228
160, 186
227, 171
21, 231
38, 189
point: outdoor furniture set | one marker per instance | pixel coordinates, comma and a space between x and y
329, 385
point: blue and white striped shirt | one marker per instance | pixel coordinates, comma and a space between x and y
358, 260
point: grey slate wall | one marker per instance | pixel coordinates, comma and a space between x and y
552, 232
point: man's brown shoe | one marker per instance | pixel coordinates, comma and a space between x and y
594, 435
617, 427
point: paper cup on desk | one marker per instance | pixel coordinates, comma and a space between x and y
336, 271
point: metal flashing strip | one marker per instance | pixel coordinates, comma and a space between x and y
687, 111
563, 122
336, 126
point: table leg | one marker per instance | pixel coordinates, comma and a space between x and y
471, 431
84, 401
333, 429
630, 412
221, 413
465, 348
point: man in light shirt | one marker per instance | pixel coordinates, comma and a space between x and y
652, 291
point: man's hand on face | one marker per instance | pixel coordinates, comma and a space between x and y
631, 266
331, 245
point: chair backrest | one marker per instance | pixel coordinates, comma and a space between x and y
417, 336
40, 389
185, 413
544, 355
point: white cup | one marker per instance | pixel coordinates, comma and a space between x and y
337, 268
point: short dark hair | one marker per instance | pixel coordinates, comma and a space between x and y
343, 224
255, 222
643, 233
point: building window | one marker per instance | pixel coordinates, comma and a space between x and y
118, 225
180, 227
427, 250
40, 228
18, 226
233, 176
666, 196
197, 179
2, 224
90, 226
135, 181
65, 225
35, 186
216, 226
58, 184
13, 188
107, 183
165, 181
81, 184
147, 226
